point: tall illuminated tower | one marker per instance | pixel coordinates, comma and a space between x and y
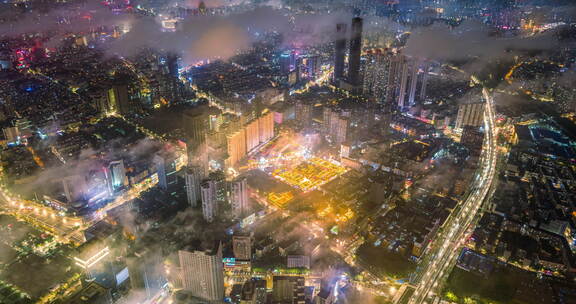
340, 51
355, 50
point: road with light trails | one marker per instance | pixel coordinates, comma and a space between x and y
66, 228
444, 249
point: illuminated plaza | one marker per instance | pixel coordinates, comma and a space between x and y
310, 174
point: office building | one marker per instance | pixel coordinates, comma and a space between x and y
470, 114
146, 273
74, 188
93, 293
173, 65
355, 51
195, 124
92, 258
242, 247
193, 178
298, 261
335, 126
119, 99
303, 113
11, 134
339, 52
472, 139
239, 197
286, 62
166, 170
202, 273
309, 66
116, 176
288, 289
213, 195
254, 292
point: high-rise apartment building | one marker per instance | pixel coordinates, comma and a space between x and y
382, 75
266, 127
213, 194
470, 114
236, 146
202, 273
249, 136
239, 197
194, 177
413, 83
252, 136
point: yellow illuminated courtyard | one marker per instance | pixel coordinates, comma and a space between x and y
310, 174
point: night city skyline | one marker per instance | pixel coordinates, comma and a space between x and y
288, 151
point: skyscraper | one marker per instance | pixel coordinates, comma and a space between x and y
355, 50
340, 51
239, 197
193, 180
202, 273
166, 170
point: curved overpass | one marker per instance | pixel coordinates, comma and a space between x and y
444, 250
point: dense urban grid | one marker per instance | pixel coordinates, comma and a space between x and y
288, 151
